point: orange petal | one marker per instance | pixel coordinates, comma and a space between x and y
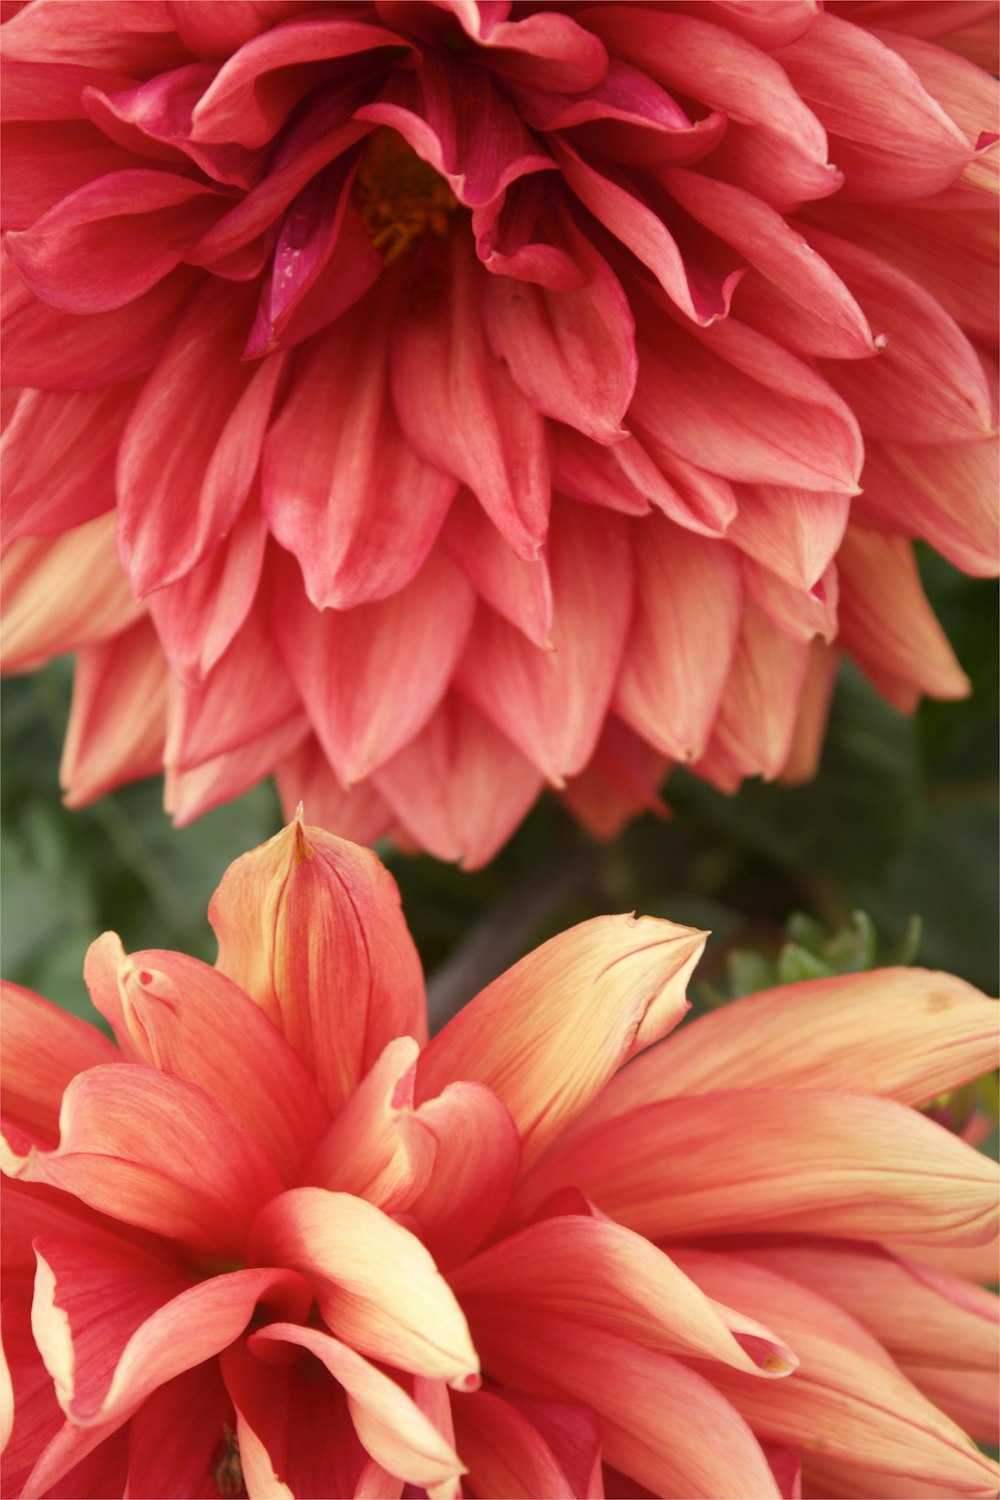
907, 1034
376, 1285
43, 1048
763, 1160
547, 1035
310, 927
847, 1400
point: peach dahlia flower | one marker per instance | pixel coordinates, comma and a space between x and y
273, 1238
429, 401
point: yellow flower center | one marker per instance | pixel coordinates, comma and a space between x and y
399, 196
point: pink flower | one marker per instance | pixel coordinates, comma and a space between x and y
275, 1238
429, 401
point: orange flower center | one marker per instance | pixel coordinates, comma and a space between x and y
399, 196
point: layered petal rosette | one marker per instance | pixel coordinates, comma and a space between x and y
271, 1241
431, 401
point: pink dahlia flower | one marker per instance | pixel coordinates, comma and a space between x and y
429, 401
272, 1241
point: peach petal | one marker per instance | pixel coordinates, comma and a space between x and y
355, 986
818, 1163
602, 1276
376, 1285
547, 1035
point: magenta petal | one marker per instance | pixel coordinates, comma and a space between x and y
113, 239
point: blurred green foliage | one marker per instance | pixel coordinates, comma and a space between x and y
900, 822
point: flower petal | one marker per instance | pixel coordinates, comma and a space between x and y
44, 1047
602, 1276
551, 704
155, 1152
907, 1034
376, 1285
355, 985
391, 1426
547, 1035
848, 1400
809, 1161
150, 1328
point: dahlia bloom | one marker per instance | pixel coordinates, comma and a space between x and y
273, 1237
430, 401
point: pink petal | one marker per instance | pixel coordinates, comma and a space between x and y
800, 615
305, 776
886, 622
185, 468
719, 68
355, 986
572, 353
552, 703
246, 695
257, 88
45, 161
62, 592
907, 1034
814, 711
117, 716
391, 1426
51, 91
112, 239
622, 780
892, 141
198, 616
689, 603
848, 1165
459, 407
927, 385
520, 591
377, 1148
189, 1020
81, 1461
571, 1432
794, 532
759, 703
59, 459
43, 1049
124, 35
188, 794
156, 1152
628, 1388
602, 1276
376, 1285
546, 48
781, 255
151, 1325
945, 493
505, 1453
458, 121
627, 976
212, 29
58, 352
460, 787
701, 297
846, 1391
737, 404
767, 23
371, 677
342, 489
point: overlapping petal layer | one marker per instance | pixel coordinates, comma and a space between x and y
439, 395
270, 1243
